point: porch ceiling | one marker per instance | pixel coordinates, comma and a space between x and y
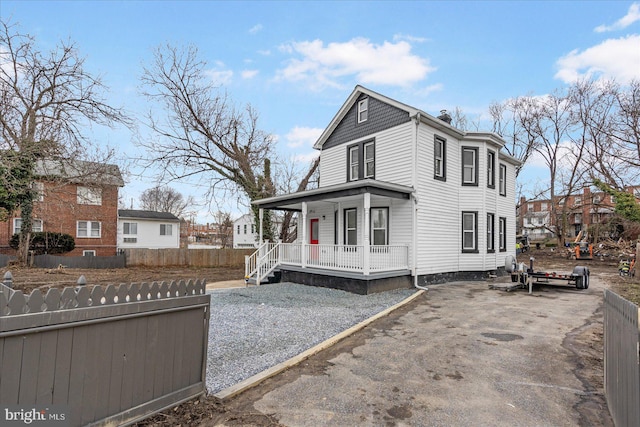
334, 193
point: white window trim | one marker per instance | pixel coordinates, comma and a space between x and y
89, 195
89, 229
346, 226
89, 253
473, 231
363, 110
168, 227
36, 225
128, 232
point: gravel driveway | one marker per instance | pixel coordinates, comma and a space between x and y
255, 328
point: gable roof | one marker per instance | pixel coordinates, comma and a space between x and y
139, 214
79, 171
413, 112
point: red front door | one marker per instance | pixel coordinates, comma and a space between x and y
313, 235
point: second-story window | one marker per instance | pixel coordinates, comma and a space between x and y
469, 166
166, 229
363, 110
439, 159
361, 161
369, 160
503, 180
89, 196
491, 169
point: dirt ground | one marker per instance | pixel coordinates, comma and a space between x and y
586, 342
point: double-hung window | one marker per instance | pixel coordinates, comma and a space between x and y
469, 231
350, 227
490, 234
503, 234
363, 110
369, 160
88, 229
353, 163
469, 166
439, 159
503, 180
36, 225
361, 160
491, 169
89, 196
380, 226
130, 230
167, 229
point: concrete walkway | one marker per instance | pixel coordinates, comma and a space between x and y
462, 355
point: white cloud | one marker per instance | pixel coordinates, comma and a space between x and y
613, 58
302, 136
255, 29
406, 37
249, 74
633, 15
323, 65
219, 74
427, 90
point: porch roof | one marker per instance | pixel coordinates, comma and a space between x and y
293, 201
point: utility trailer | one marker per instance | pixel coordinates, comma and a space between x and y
525, 278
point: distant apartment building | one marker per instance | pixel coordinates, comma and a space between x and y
534, 217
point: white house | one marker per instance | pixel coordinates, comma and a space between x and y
244, 232
147, 229
404, 199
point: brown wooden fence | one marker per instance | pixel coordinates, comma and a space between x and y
105, 356
621, 359
186, 257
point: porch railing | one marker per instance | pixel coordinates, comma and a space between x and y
330, 257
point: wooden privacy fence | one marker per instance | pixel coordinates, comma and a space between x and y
106, 356
621, 359
186, 257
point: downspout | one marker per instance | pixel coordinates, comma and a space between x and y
414, 177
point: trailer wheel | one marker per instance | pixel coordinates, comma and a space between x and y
582, 281
509, 263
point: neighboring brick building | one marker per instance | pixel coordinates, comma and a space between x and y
76, 198
534, 216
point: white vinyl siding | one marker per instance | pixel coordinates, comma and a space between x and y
145, 233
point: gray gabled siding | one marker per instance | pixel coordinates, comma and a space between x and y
381, 116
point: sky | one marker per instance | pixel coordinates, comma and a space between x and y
296, 62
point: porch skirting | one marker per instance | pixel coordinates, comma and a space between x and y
346, 281
457, 276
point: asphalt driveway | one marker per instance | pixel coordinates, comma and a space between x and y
460, 355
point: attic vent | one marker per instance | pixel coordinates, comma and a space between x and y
444, 116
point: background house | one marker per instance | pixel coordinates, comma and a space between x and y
147, 229
77, 198
244, 232
582, 210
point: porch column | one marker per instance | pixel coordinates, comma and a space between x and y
303, 246
366, 229
261, 215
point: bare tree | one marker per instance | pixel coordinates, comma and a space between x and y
223, 228
200, 132
165, 199
46, 98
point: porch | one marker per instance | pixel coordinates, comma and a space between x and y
359, 231
347, 267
